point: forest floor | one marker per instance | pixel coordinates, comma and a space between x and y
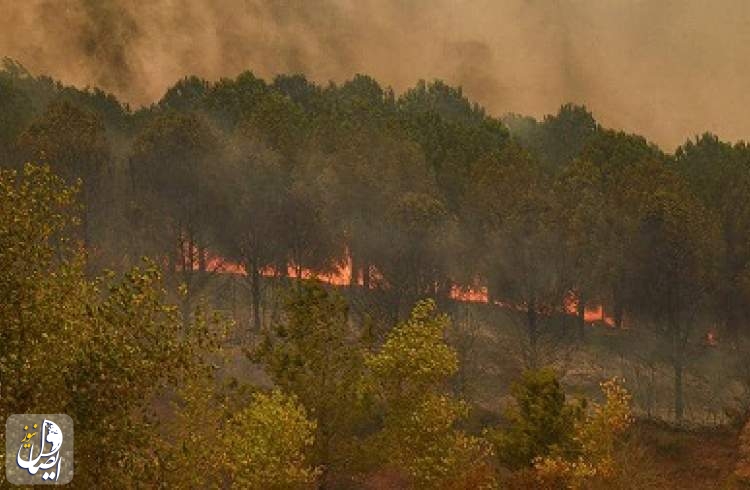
688, 459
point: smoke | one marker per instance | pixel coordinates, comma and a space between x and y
668, 69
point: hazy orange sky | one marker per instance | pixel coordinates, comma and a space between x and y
667, 69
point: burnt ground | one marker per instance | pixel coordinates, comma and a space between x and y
688, 458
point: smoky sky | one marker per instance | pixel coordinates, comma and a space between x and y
668, 69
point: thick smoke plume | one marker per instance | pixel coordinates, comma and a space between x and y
665, 68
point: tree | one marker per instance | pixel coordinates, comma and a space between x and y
597, 435
558, 139
541, 421
584, 222
187, 95
302, 92
314, 355
613, 156
254, 198
414, 261
671, 264
171, 166
408, 376
42, 288
15, 113
128, 352
719, 175
229, 101
566, 134
269, 440
360, 183
452, 132
73, 142
516, 225
99, 350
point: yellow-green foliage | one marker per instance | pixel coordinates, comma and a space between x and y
597, 435
220, 438
101, 351
414, 358
191, 449
314, 355
43, 292
42, 287
419, 437
268, 441
541, 421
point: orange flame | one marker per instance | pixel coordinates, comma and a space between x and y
591, 314
341, 276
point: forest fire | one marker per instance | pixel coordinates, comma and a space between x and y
591, 314
272, 257
469, 294
342, 276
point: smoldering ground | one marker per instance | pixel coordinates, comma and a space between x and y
666, 68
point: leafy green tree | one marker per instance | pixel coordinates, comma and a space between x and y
220, 436
359, 184
73, 142
541, 421
255, 196
230, 101
584, 222
517, 228
672, 263
422, 236
270, 439
314, 355
171, 165
128, 352
302, 92
42, 289
719, 174
566, 134
101, 351
279, 123
452, 132
187, 95
598, 435
613, 156
408, 376
310, 239
15, 114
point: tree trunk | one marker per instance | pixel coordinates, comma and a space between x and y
87, 230
678, 357
201, 258
533, 331
354, 273
185, 311
581, 316
255, 293
679, 403
617, 309
733, 318
366, 276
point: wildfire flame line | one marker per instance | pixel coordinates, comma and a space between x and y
342, 277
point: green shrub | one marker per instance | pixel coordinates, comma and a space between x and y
541, 421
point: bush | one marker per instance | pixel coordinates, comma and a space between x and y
596, 436
541, 422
